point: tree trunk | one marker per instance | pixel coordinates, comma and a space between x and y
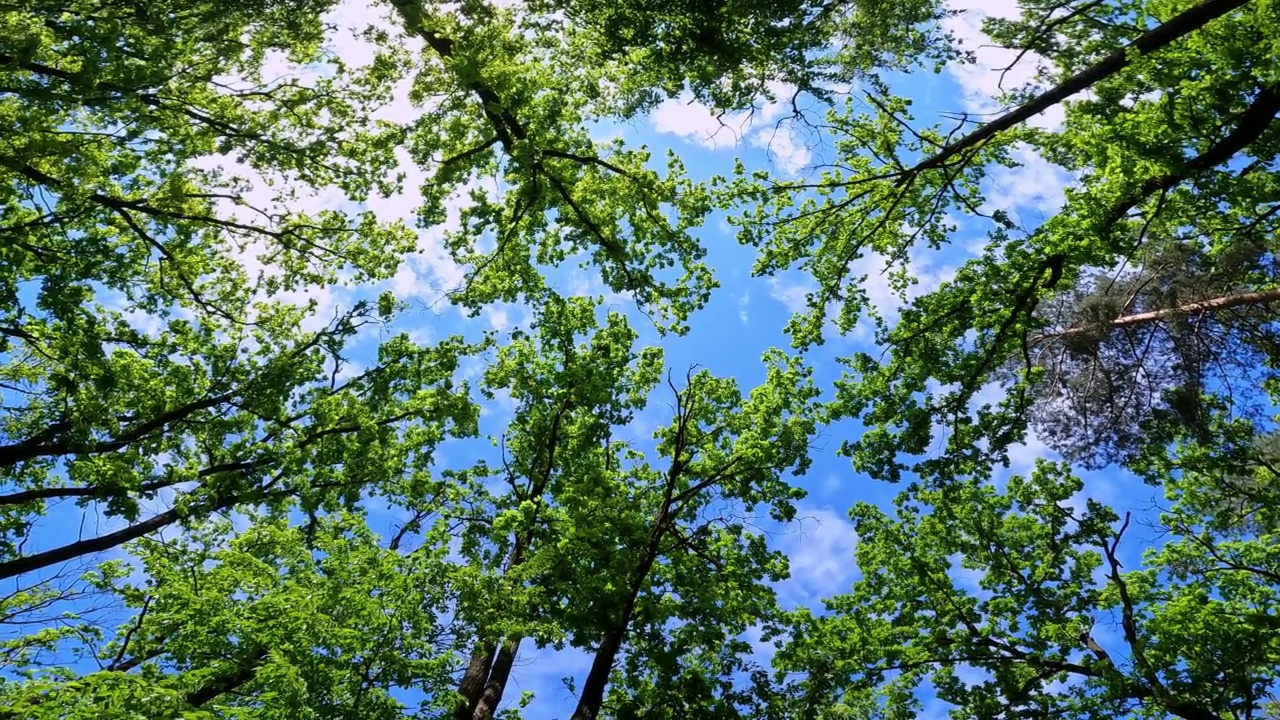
592, 696
473, 680
490, 666
487, 660
240, 675
55, 493
71, 551
598, 678
498, 677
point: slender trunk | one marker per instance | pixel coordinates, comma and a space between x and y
1159, 37
1262, 297
487, 673
50, 493
498, 677
127, 664
487, 656
71, 551
592, 697
36, 447
1250, 125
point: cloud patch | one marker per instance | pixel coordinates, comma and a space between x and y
820, 545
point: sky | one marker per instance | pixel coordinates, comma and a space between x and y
744, 318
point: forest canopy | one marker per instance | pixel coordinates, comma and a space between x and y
769, 359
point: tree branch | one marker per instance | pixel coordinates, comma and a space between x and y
1261, 297
1158, 38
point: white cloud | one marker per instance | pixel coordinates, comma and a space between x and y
405, 282
350, 18
588, 283
744, 303
541, 671
327, 300
873, 272
971, 675
716, 130
791, 292
427, 274
498, 318
697, 123
1034, 187
983, 81
820, 546
643, 425
782, 93
507, 316
784, 148
968, 579
498, 413
1023, 456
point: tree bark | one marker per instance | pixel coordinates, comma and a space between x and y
70, 551
238, 676
592, 697
474, 679
489, 669
50, 493
499, 674
36, 447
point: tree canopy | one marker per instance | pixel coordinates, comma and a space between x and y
576, 359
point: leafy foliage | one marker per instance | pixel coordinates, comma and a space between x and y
1019, 615
205, 339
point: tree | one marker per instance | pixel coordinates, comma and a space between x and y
140, 358
1115, 326
177, 217
1124, 353
272, 621
998, 601
657, 50
146, 360
1181, 158
589, 544
577, 538
508, 113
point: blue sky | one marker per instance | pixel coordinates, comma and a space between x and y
744, 318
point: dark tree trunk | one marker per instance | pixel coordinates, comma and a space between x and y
473, 680
71, 551
499, 674
592, 697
